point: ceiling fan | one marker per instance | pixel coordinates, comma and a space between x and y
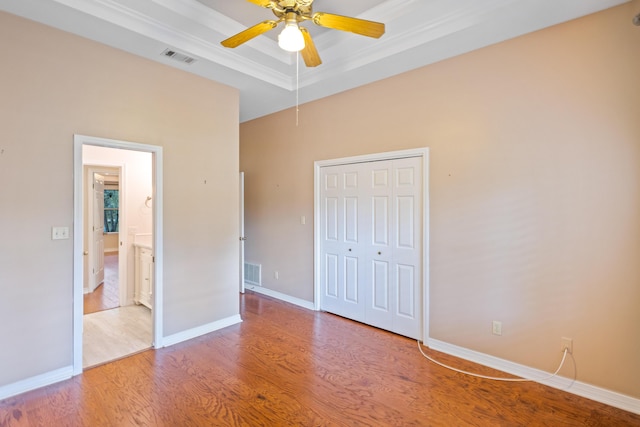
296, 38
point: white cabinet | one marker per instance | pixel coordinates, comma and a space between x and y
143, 270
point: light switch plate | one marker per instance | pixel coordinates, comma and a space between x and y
58, 233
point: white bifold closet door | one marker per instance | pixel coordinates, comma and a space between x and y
371, 244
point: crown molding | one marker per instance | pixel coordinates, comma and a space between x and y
418, 33
220, 24
118, 14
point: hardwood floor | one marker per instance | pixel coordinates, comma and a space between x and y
287, 366
105, 296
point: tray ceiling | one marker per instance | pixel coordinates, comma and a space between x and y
418, 33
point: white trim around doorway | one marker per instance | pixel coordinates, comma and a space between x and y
78, 244
391, 155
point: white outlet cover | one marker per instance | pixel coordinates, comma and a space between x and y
497, 327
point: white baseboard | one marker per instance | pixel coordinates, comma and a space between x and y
200, 330
38, 381
283, 297
598, 394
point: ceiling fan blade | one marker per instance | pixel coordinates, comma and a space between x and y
345, 23
249, 33
309, 53
263, 3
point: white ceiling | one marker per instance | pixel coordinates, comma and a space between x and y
418, 32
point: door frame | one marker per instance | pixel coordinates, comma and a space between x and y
78, 229
391, 155
123, 284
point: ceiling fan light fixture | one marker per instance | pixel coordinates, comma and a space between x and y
295, 38
291, 38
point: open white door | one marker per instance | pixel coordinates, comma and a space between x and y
242, 237
96, 227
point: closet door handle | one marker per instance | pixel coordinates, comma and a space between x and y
379, 253
349, 249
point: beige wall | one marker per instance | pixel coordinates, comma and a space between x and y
534, 191
111, 243
56, 85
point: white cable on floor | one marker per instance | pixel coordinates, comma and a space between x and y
564, 356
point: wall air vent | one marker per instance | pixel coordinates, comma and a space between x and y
178, 56
252, 274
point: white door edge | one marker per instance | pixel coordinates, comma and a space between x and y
390, 155
91, 280
78, 244
242, 237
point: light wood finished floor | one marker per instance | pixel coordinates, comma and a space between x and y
287, 366
111, 334
105, 296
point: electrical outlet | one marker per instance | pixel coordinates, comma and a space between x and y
497, 327
276, 275
566, 343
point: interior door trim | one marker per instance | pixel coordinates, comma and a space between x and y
78, 224
390, 155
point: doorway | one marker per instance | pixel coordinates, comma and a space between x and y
371, 240
114, 326
138, 223
102, 215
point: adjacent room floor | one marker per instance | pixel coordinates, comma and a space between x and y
112, 334
105, 296
109, 331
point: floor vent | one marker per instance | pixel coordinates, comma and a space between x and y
178, 56
253, 274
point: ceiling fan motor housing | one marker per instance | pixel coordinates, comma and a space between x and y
302, 8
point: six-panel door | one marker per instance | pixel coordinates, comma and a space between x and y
371, 225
